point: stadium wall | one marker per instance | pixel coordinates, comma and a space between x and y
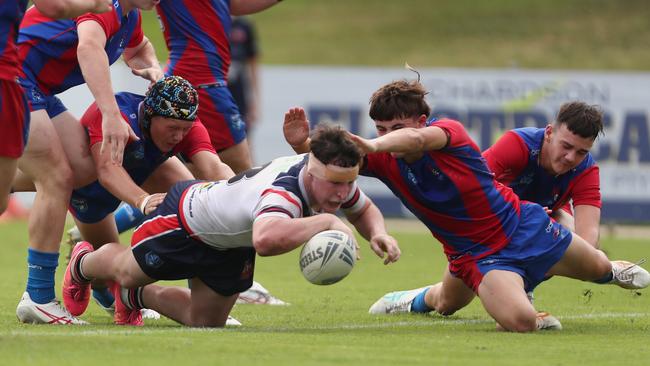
487, 101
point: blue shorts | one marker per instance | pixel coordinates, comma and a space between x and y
166, 251
535, 247
39, 100
92, 203
220, 116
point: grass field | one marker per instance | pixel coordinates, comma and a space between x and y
551, 34
603, 325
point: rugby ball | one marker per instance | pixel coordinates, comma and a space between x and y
328, 257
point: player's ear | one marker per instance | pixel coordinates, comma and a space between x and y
548, 131
422, 120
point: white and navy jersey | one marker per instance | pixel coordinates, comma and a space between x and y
221, 214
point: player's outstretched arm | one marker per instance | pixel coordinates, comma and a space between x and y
278, 235
405, 140
369, 222
296, 130
72, 8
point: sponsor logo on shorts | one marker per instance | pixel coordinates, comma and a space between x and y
247, 271
153, 260
79, 204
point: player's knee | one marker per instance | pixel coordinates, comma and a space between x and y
521, 323
205, 321
446, 308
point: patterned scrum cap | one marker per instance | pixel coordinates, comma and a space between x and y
172, 97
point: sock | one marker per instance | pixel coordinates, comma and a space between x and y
104, 297
127, 217
607, 279
133, 298
40, 279
418, 305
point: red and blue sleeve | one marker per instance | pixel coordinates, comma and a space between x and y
507, 157
195, 141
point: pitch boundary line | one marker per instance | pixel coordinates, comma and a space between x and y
52, 331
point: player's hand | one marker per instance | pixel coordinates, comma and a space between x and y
116, 133
101, 6
152, 74
385, 243
155, 201
295, 127
365, 145
548, 211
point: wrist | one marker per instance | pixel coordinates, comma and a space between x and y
141, 202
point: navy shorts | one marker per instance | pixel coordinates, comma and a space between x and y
92, 203
538, 243
166, 251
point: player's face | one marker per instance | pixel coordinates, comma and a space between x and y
166, 133
384, 127
328, 196
563, 150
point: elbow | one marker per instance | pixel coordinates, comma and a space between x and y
262, 245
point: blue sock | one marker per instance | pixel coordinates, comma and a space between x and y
127, 217
40, 278
418, 305
104, 296
607, 279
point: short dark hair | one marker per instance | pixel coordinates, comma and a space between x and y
399, 99
581, 118
331, 145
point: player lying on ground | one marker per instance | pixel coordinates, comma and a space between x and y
209, 232
497, 246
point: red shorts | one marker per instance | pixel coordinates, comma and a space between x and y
14, 119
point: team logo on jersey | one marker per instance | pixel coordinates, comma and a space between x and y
411, 176
549, 227
138, 152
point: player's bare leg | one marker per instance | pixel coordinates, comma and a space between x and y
503, 297
207, 308
45, 163
237, 157
8, 167
449, 296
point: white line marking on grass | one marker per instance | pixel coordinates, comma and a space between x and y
53, 330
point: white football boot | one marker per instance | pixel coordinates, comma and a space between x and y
53, 312
396, 302
546, 321
233, 322
257, 294
630, 275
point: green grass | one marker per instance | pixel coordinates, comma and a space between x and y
330, 326
556, 34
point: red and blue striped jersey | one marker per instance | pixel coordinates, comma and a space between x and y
196, 33
48, 47
514, 159
11, 12
454, 193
